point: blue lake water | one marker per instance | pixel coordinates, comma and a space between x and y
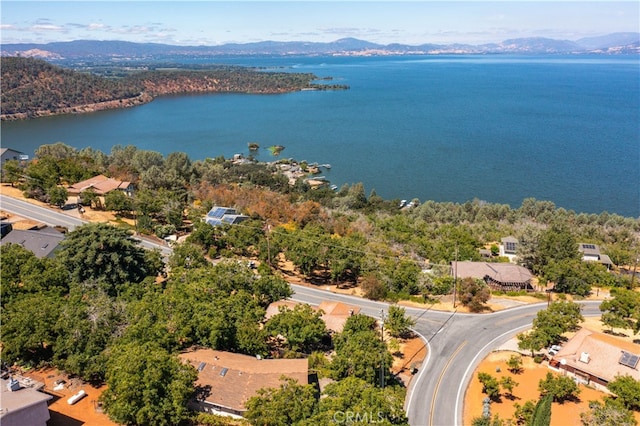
455, 128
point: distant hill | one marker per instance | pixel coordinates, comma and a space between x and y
33, 87
618, 43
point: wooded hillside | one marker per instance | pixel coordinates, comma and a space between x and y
33, 87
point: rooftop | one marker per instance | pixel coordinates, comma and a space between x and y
231, 379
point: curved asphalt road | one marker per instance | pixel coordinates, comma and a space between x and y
55, 217
456, 342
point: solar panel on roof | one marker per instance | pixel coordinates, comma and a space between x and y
629, 359
589, 246
223, 372
201, 366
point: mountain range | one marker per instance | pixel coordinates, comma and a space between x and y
611, 44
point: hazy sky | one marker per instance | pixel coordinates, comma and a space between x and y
218, 22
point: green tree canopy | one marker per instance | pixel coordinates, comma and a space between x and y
622, 310
302, 328
560, 387
397, 323
147, 385
105, 254
288, 405
627, 391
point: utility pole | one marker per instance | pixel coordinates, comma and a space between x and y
384, 348
455, 277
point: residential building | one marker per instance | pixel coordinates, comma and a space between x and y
42, 242
509, 247
101, 185
498, 276
224, 215
591, 253
596, 358
7, 154
227, 380
21, 403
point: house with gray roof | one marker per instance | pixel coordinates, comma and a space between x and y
21, 403
42, 242
591, 253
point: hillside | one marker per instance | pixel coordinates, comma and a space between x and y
34, 88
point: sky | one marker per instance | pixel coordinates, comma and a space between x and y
219, 22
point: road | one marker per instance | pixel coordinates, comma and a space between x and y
54, 217
456, 342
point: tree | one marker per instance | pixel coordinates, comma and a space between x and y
302, 328
86, 324
560, 388
397, 323
507, 383
606, 414
355, 396
490, 385
560, 317
27, 332
106, 254
556, 244
524, 413
58, 196
147, 385
627, 391
12, 172
533, 340
285, 406
362, 354
515, 364
622, 310
541, 415
118, 201
473, 294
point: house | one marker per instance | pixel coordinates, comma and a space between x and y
101, 185
224, 215
227, 380
591, 253
7, 154
509, 247
334, 314
21, 403
596, 358
42, 242
498, 276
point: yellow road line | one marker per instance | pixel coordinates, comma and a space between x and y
444, 370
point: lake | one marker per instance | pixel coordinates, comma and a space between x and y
443, 128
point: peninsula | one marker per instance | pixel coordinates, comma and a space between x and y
34, 88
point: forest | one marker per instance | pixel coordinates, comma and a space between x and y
109, 301
32, 87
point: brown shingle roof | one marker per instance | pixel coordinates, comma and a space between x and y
499, 272
100, 184
604, 355
244, 375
